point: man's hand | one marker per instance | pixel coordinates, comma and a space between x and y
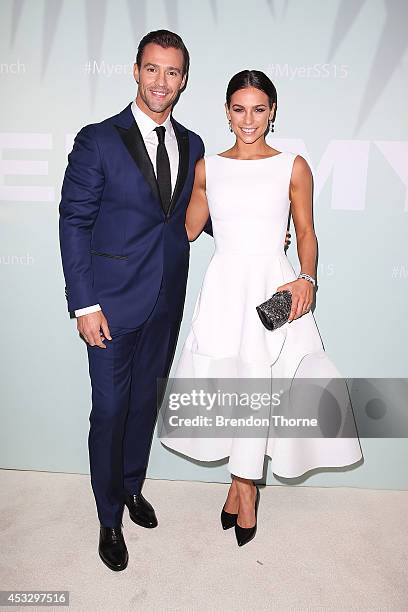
287, 241
94, 328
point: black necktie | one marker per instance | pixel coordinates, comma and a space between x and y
163, 169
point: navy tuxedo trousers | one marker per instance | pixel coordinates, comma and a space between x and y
124, 406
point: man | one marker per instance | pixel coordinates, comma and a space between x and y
125, 256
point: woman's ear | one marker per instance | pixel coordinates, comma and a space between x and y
273, 111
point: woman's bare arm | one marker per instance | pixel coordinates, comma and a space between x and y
301, 194
197, 210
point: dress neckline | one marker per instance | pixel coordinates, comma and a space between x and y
251, 160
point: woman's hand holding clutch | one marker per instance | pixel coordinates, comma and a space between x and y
302, 297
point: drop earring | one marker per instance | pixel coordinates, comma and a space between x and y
230, 125
271, 126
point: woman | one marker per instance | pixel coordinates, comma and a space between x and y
249, 191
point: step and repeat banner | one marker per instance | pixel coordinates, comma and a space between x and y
340, 69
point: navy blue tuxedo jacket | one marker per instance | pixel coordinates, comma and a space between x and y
117, 243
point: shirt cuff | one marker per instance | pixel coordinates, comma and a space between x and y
87, 310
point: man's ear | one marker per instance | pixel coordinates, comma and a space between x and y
136, 72
183, 81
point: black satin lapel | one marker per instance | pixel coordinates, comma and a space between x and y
184, 158
134, 143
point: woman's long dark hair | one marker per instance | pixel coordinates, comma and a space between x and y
253, 78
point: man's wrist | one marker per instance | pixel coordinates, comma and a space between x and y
88, 310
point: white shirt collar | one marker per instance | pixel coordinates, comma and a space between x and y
146, 124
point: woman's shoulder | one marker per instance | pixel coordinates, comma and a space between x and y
300, 170
208, 160
300, 164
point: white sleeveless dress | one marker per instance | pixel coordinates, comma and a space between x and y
249, 207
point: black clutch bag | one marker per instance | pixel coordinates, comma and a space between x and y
275, 312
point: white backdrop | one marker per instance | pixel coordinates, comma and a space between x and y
340, 69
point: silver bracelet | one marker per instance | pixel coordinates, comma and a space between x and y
308, 278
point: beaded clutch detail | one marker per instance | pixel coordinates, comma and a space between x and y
275, 312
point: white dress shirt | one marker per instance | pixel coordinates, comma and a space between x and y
146, 126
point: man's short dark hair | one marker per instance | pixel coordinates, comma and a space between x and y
165, 39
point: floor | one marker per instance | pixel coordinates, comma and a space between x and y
315, 549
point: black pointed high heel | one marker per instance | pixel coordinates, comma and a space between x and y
228, 520
245, 534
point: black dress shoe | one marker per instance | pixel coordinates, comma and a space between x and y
112, 548
140, 511
228, 519
245, 534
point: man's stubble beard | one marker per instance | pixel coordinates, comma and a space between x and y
158, 108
